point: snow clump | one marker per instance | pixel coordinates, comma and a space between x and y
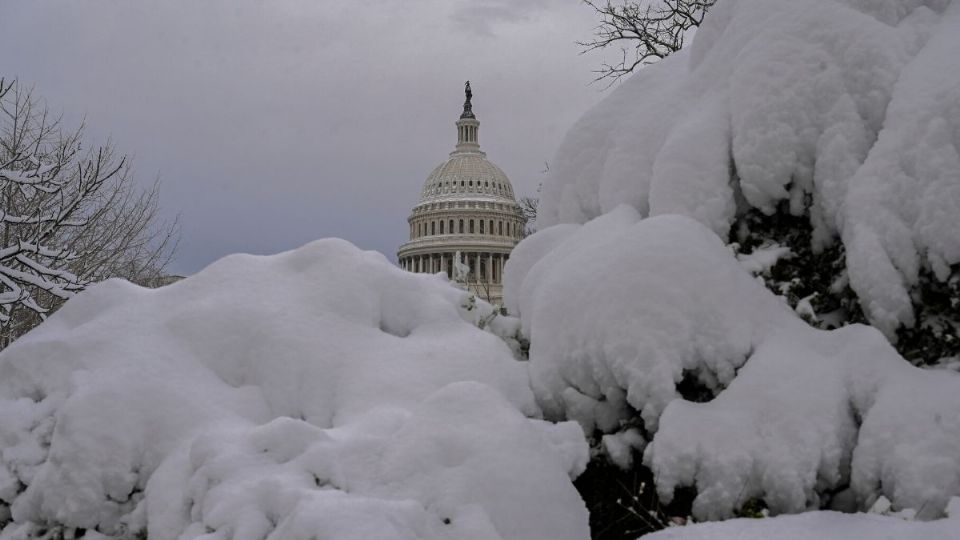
628, 316
317, 393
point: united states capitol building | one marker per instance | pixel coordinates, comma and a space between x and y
468, 219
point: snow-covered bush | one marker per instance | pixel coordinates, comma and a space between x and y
627, 315
819, 525
316, 393
845, 113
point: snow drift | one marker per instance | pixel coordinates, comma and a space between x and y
623, 313
846, 110
316, 393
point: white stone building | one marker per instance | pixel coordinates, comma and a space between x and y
467, 207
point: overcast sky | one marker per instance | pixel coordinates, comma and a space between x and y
273, 123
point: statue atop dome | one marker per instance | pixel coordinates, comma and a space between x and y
467, 106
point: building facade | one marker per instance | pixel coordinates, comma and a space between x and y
467, 209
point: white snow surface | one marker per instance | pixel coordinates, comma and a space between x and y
621, 310
319, 393
846, 109
816, 526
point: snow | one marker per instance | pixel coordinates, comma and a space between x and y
323, 393
643, 323
622, 307
621, 446
786, 431
622, 312
763, 258
805, 308
317, 393
819, 525
848, 111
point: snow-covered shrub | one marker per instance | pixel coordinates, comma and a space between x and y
819, 525
493, 318
813, 281
624, 312
316, 393
842, 113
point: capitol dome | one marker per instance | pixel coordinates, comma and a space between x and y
467, 174
467, 207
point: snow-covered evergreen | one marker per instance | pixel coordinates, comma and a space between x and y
624, 313
820, 141
844, 112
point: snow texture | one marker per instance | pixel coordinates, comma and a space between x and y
319, 393
623, 312
816, 525
763, 258
848, 111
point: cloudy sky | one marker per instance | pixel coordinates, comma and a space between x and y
273, 123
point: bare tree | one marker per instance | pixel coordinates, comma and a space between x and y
68, 216
646, 31
529, 205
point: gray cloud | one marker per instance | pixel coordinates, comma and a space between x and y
483, 16
275, 123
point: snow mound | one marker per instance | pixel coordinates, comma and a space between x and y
819, 525
627, 317
847, 111
316, 393
612, 318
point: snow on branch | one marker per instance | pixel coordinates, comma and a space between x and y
68, 216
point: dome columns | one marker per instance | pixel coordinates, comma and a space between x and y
485, 266
468, 135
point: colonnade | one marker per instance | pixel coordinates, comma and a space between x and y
484, 266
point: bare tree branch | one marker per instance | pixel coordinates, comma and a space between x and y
68, 217
529, 206
645, 31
